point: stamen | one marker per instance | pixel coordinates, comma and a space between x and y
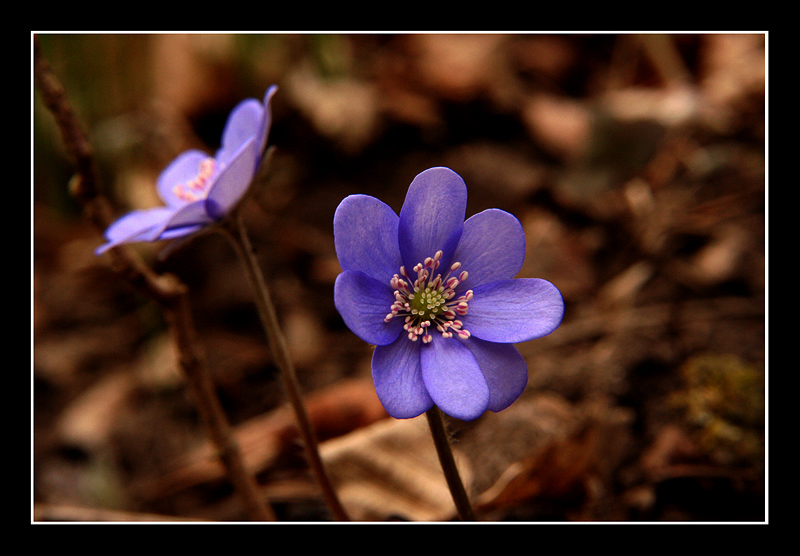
197, 188
430, 302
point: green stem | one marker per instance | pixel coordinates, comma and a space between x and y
436, 423
280, 352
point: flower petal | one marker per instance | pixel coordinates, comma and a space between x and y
365, 236
191, 214
432, 217
266, 120
182, 169
504, 369
397, 374
243, 124
233, 180
181, 231
139, 225
249, 119
510, 311
453, 378
363, 302
492, 247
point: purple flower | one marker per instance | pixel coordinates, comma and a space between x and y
437, 297
197, 189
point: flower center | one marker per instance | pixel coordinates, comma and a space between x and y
197, 188
430, 300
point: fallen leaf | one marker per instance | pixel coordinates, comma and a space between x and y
343, 407
390, 471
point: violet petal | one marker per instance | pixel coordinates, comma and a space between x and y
511, 311
363, 302
139, 225
432, 217
453, 378
233, 180
504, 369
492, 247
244, 123
191, 214
397, 374
365, 237
266, 120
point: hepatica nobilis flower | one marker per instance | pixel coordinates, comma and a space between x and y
437, 297
197, 189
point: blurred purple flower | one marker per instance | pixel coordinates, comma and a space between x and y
437, 297
197, 189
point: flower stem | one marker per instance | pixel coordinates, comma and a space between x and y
280, 352
436, 423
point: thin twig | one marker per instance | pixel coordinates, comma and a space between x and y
448, 462
166, 290
235, 231
217, 424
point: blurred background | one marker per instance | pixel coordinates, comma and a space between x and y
636, 164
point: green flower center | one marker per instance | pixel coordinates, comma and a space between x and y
428, 303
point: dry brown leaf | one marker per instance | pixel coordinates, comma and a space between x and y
562, 126
342, 109
734, 67
540, 447
333, 411
456, 66
89, 421
390, 470
584, 450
